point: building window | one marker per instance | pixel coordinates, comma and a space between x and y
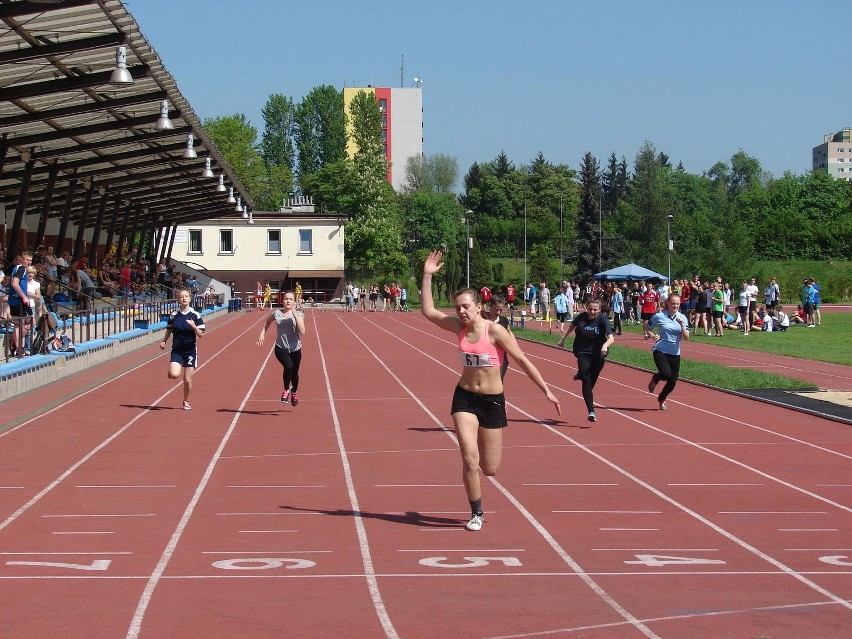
195, 241
273, 241
306, 241
384, 120
383, 106
226, 241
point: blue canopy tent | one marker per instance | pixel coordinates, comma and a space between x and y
629, 273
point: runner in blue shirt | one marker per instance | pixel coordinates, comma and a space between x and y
187, 325
672, 328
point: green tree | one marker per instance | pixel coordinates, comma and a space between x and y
276, 146
320, 131
588, 229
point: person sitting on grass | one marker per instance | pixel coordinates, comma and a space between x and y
782, 320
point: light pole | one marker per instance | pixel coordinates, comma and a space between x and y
600, 231
669, 218
561, 260
467, 215
525, 239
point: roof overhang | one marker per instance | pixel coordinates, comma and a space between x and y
59, 115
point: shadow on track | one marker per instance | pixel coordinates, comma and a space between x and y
409, 518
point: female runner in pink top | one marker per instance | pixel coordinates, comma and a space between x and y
479, 406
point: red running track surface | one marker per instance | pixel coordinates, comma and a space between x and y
123, 516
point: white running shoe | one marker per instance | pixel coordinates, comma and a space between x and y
475, 523
186, 406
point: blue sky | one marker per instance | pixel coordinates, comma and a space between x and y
700, 80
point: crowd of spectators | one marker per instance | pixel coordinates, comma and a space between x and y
710, 306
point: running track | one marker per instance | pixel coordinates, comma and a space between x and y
123, 516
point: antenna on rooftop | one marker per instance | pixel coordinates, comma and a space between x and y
402, 72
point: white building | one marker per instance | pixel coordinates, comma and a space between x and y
295, 244
834, 155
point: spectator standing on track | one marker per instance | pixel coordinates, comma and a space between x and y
635, 302
510, 296
485, 293
672, 327
479, 405
543, 300
592, 340
290, 324
186, 325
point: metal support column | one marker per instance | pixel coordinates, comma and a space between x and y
112, 224
81, 229
46, 203
122, 236
140, 248
20, 210
96, 232
66, 216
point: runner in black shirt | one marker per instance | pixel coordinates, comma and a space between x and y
592, 339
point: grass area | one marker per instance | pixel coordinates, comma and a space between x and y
826, 343
834, 276
705, 372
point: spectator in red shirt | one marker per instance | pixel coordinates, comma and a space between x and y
510, 295
485, 294
650, 304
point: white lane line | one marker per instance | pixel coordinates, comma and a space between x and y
267, 531
551, 541
819, 549
706, 484
718, 529
697, 615
612, 512
12, 487
363, 542
775, 562
35, 499
126, 486
262, 552
699, 409
807, 530
106, 552
773, 512
272, 486
835, 485
418, 485
569, 484
630, 529
154, 578
656, 549
73, 516
281, 514
461, 550
85, 532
